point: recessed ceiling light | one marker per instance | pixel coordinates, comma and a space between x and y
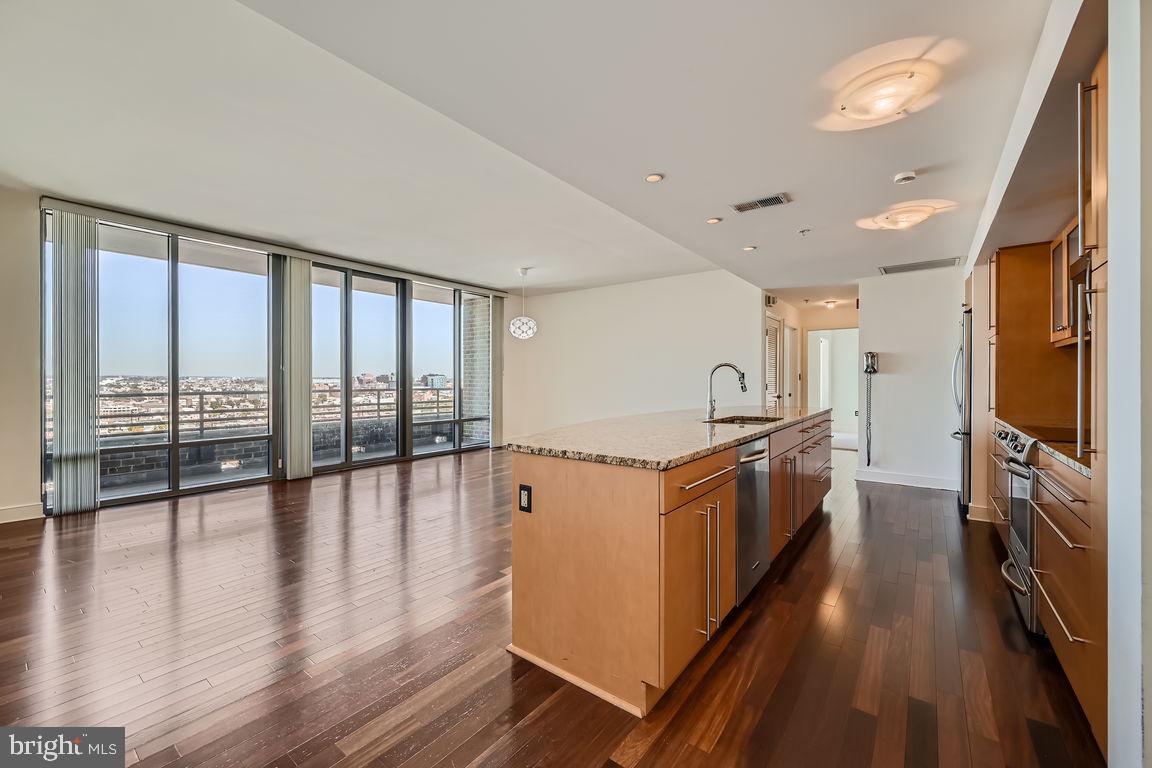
654, 178
714, 220
749, 247
888, 91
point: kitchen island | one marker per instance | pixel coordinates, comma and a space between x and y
624, 537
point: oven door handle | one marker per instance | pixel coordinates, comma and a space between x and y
1011, 582
1018, 468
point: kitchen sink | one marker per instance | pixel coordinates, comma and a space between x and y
744, 421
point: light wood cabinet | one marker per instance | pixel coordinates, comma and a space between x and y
684, 586
783, 488
621, 575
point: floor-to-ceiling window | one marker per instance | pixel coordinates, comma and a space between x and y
433, 368
328, 435
223, 361
374, 369
188, 337
134, 400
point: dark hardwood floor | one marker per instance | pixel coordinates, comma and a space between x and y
360, 619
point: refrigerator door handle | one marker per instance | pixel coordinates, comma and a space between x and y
956, 398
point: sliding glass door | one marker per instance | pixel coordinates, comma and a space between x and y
434, 418
328, 386
134, 389
224, 395
355, 342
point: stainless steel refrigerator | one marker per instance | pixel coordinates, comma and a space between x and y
962, 396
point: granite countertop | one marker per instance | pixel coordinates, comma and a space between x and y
655, 440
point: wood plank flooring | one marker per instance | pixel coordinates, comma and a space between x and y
359, 619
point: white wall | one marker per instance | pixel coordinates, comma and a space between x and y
1129, 302
913, 322
633, 348
19, 355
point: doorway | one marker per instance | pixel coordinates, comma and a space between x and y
833, 381
790, 368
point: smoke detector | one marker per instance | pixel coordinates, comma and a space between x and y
904, 177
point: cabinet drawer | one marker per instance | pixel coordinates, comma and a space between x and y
694, 479
1068, 485
788, 438
821, 484
1063, 561
1078, 656
817, 450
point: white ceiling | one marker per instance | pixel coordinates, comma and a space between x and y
721, 97
207, 113
466, 140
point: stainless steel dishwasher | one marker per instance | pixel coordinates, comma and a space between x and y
753, 535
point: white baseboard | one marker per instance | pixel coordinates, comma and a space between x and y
21, 512
871, 475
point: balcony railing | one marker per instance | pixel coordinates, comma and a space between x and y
215, 413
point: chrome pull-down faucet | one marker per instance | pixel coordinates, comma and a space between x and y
711, 400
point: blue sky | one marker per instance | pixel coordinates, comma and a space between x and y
223, 324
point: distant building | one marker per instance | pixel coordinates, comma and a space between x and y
434, 380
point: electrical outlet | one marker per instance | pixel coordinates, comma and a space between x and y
525, 498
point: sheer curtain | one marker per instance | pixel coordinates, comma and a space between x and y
75, 449
298, 368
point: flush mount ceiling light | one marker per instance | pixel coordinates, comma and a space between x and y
522, 326
714, 220
749, 247
654, 178
829, 304
888, 91
906, 215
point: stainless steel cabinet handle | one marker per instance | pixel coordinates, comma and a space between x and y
1011, 582
1067, 541
754, 457
1059, 619
707, 515
792, 497
998, 463
703, 480
1051, 482
992, 498
1080, 363
719, 524
824, 476
1083, 246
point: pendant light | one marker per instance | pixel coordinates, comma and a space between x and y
522, 326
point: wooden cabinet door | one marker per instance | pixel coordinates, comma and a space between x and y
782, 484
724, 540
1059, 299
684, 585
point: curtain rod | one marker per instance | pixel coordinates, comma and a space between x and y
114, 216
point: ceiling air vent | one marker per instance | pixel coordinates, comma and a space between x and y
764, 202
916, 266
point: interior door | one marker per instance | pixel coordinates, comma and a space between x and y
790, 369
773, 343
